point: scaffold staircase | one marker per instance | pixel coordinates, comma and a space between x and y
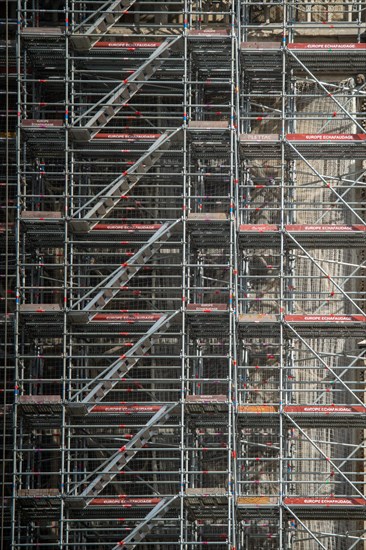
146, 525
99, 23
111, 376
110, 287
90, 213
87, 125
107, 471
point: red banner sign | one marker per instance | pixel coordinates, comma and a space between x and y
325, 318
125, 409
127, 137
327, 47
326, 228
132, 227
126, 45
325, 409
126, 317
126, 502
326, 137
329, 228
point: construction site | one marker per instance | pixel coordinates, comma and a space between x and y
182, 290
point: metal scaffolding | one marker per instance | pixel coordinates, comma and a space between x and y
185, 290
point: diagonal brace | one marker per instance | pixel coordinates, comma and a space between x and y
326, 91
340, 472
348, 389
305, 527
318, 174
338, 287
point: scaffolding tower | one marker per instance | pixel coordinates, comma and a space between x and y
184, 298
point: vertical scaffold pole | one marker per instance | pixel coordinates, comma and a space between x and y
282, 302
183, 465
